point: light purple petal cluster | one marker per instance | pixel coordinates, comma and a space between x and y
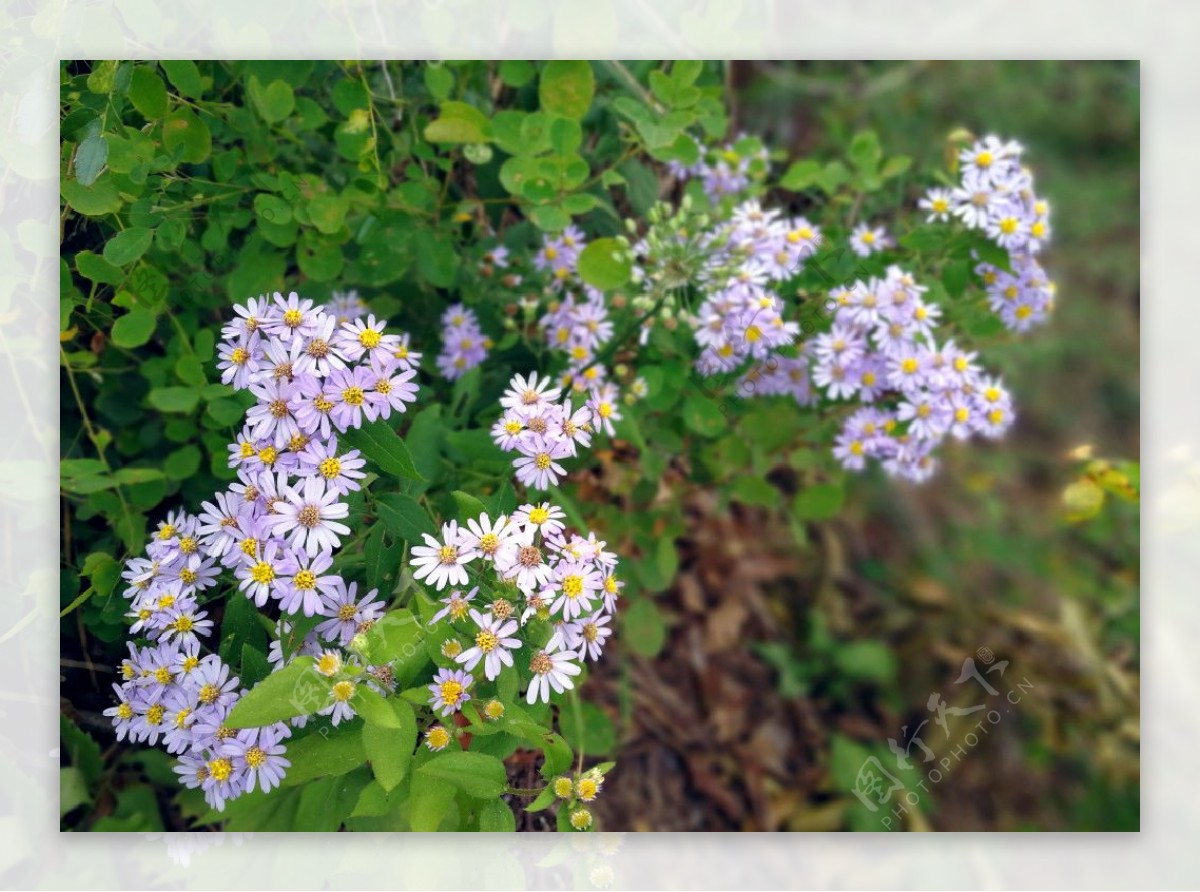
312, 370
995, 195
464, 345
881, 351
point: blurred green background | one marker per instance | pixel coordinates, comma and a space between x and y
888, 600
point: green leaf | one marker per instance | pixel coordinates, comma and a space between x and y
173, 399
550, 218
439, 79
186, 137
517, 73
272, 209
255, 666
390, 749
294, 690
703, 415
955, 277
97, 200
477, 775
543, 801
382, 445
895, 166
566, 88
642, 628
801, 175
865, 152
496, 817
867, 660
468, 505
373, 708
318, 258
328, 212
183, 463
818, 502
604, 264
134, 329
833, 176
98, 269
459, 122
148, 93
566, 136
429, 801
90, 158
273, 101
126, 247
401, 515
398, 639
184, 77
338, 752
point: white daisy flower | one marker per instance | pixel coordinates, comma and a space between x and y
442, 562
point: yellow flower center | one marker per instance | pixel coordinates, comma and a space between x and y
125, 711
909, 366
369, 338
305, 580
448, 554
183, 624
539, 515
343, 691
255, 757
263, 573
352, 396
163, 675
572, 586
166, 531
181, 717
346, 612
209, 693
542, 461
587, 788
438, 737
983, 159
154, 715
486, 641
239, 356
220, 769
451, 692
246, 450
488, 543
329, 663
330, 468
1008, 225
267, 455
322, 405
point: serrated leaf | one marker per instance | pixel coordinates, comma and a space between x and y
383, 446
478, 775
296, 689
390, 749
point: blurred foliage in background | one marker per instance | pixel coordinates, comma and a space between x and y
773, 643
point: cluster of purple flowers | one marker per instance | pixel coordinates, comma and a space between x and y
1022, 298
315, 370
464, 345
544, 428
172, 694
727, 173
559, 256
882, 352
741, 317
995, 195
552, 574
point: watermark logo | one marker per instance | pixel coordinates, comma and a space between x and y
917, 766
